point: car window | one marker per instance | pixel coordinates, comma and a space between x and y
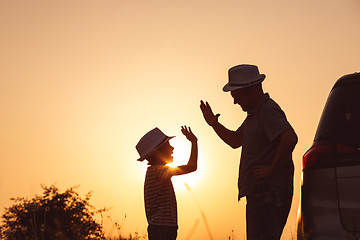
340, 121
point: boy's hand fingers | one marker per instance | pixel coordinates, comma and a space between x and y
184, 130
187, 132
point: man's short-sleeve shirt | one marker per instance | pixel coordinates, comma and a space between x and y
159, 196
260, 139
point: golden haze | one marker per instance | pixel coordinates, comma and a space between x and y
82, 81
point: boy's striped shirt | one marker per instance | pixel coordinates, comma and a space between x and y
159, 196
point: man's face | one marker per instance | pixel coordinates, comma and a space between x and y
241, 97
165, 152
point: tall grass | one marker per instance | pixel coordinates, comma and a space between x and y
116, 227
201, 211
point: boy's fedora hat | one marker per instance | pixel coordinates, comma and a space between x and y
151, 141
242, 76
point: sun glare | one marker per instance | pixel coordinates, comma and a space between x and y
181, 151
181, 156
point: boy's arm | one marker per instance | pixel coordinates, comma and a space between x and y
191, 166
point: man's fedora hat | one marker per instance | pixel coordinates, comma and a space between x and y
242, 76
150, 142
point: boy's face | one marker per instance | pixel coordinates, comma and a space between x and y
165, 153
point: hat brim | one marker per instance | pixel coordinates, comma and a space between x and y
229, 88
142, 158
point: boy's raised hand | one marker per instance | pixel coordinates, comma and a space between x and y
188, 133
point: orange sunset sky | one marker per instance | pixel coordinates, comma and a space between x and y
81, 81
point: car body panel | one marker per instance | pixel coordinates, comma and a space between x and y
319, 208
348, 181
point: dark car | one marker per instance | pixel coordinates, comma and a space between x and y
330, 190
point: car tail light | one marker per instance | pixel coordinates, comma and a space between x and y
324, 155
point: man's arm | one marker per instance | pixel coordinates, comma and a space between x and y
191, 166
287, 143
228, 136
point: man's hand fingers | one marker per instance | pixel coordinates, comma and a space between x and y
202, 106
208, 106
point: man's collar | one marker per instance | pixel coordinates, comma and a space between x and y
262, 101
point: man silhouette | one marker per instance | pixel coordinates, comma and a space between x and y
267, 140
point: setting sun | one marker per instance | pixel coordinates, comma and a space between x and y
181, 156
181, 150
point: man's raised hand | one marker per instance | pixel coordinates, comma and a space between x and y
208, 114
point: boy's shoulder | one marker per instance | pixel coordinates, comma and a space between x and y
157, 167
161, 171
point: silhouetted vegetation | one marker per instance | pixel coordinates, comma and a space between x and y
53, 215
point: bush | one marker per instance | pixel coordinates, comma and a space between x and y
53, 215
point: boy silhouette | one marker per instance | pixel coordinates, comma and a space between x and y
159, 195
